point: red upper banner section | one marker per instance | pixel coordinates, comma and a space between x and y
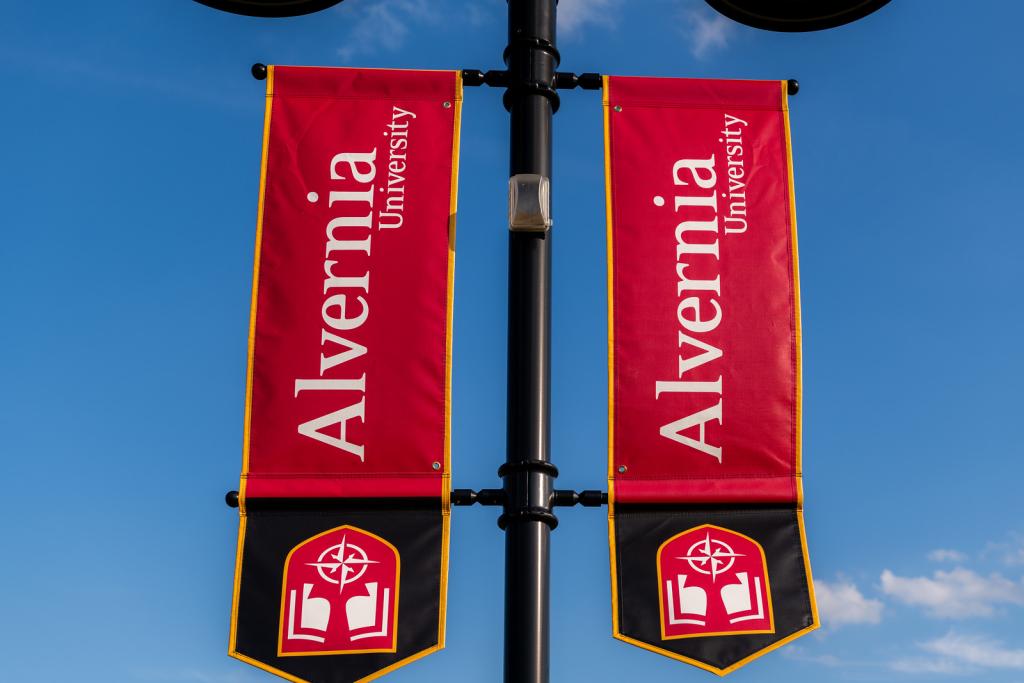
348, 392
704, 311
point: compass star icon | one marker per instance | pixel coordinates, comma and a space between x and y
351, 567
710, 556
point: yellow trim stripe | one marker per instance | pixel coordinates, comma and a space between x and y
375, 675
613, 560
247, 428
246, 431
798, 333
713, 669
266, 667
237, 585
446, 478
610, 283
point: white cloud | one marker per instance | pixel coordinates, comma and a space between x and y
929, 665
946, 555
382, 25
976, 650
1014, 555
708, 31
574, 15
1011, 552
843, 603
958, 654
955, 594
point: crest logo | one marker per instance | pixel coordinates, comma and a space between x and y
713, 582
340, 595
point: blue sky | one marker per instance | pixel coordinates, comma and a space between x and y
128, 178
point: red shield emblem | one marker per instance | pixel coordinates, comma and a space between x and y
340, 595
713, 582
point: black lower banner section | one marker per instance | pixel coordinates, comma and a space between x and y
715, 587
339, 595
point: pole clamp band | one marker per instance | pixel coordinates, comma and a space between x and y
529, 514
542, 466
531, 44
531, 88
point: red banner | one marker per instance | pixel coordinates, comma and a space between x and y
345, 478
704, 376
349, 353
705, 346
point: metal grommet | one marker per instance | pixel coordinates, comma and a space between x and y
617, 107
447, 104
622, 469
436, 465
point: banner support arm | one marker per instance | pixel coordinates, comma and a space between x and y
564, 80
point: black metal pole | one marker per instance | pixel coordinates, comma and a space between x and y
531, 59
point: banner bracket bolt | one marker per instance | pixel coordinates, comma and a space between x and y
483, 496
495, 78
472, 77
567, 80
